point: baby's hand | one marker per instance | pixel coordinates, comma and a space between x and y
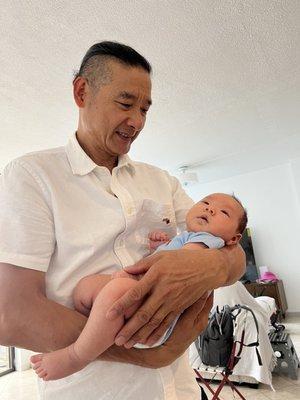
157, 238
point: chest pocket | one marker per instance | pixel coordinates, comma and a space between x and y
154, 216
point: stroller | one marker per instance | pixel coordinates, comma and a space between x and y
219, 347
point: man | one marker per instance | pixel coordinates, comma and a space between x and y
70, 212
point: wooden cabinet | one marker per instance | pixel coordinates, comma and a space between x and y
271, 289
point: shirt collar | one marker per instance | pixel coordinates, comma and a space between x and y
82, 164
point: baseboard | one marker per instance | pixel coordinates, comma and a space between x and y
293, 314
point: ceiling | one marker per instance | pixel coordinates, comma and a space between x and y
226, 77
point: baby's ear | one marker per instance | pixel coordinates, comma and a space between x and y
234, 240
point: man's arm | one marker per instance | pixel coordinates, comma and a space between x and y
233, 260
175, 280
29, 320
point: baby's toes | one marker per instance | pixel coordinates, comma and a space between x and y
41, 372
36, 365
44, 376
36, 358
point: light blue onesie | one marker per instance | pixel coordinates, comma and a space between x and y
211, 241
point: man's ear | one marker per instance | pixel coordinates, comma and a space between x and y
79, 91
234, 240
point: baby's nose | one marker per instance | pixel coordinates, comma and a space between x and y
210, 210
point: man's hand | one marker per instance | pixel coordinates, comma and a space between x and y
173, 281
191, 323
189, 326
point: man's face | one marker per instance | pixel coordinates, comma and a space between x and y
218, 214
114, 116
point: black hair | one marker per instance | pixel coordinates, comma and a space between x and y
94, 64
244, 219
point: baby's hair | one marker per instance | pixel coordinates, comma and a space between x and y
244, 219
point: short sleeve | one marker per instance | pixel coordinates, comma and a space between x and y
175, 243
26, 223
181, 203
211, 241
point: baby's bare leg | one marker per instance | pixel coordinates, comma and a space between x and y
97, 335
87, 290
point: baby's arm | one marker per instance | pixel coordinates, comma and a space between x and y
156, 239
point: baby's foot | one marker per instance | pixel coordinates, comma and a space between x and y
58, 364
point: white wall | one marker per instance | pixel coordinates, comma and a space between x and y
271, 197
22, 359
295, 167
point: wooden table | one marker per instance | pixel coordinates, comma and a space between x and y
271, 289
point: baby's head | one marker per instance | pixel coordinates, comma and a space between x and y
221, 215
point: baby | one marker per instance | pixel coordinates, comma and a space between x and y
215, 221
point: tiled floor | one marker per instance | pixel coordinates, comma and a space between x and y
18, 386
286, 389
21, 385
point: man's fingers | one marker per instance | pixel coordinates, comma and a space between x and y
161, 330
140, 318
143, 265
153, 330
149, 334
196, 311
128, 299
147, 312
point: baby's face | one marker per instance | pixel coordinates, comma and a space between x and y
218, 214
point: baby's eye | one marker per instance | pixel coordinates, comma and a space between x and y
225, 212
205, 202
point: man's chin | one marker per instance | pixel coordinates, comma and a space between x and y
117, 151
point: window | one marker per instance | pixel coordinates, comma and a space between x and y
6, 360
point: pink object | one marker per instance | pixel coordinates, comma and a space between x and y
269, 276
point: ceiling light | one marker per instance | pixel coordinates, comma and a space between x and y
186, 177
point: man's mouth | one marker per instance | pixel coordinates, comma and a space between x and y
124, 135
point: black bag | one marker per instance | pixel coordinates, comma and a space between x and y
215, 343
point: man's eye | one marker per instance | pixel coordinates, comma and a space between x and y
144, 110
125, 105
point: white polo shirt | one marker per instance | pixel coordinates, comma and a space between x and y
62, 214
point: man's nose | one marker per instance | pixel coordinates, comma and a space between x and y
136, 120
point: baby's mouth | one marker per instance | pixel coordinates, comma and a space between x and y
203, 218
